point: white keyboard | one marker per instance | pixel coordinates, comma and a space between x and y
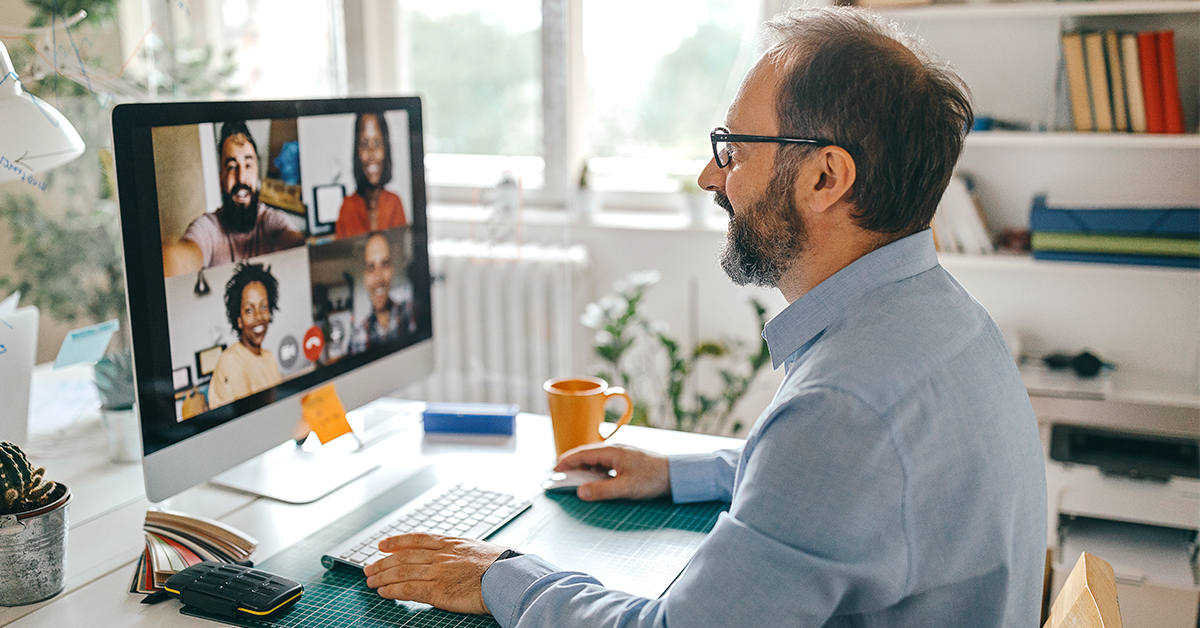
462, 511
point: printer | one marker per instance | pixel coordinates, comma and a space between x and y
1123, 480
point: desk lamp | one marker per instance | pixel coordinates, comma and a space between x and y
34, 136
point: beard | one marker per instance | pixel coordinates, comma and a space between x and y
764, 237
237, 218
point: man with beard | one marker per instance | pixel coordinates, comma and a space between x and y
242, 227
389, 317
897, 477
251, 298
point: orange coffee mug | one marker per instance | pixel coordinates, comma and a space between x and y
577, 409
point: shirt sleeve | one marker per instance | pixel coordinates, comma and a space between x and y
814, 531
275, 225
703, 477
202, 232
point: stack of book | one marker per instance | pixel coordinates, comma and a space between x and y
958, 225
176, 541
1152, 236
1123, 82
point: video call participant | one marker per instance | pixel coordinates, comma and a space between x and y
388, 317
251, 296
897, 477
370, 208
242, 227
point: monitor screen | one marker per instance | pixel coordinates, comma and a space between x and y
226, 273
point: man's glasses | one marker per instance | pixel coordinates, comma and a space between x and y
721, 138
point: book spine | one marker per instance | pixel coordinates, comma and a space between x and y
1093, 44
1073, 58
1131, 63
1172, 105
1151, 82
1112, 56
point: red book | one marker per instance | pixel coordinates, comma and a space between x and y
1172, 105
1152, 83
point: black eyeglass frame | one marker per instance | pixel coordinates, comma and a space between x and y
722, 134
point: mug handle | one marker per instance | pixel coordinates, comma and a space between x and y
628, 408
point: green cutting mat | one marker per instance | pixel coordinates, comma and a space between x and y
635, 546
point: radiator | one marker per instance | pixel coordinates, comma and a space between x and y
504, 321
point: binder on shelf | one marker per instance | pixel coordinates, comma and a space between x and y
1168, 222
1113, 258
1097, 72
1151, 82
1169, 77
1117, 244
1077, 81
1132, 77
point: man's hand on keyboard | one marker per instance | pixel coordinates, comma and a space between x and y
639, 474
438, 570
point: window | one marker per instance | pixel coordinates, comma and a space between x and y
533, 88
477, 66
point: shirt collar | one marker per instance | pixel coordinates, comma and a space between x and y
809, 315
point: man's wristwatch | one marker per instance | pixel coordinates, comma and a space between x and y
507, 554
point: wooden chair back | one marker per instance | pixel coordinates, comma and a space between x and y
1088, 598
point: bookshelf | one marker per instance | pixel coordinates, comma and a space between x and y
1145, 319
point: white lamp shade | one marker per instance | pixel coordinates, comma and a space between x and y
34, 137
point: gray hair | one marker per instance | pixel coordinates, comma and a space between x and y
856, 79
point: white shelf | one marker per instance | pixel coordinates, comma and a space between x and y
1059, 139
1039, 10
1009, 263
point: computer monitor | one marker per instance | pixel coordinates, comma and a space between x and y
225, 274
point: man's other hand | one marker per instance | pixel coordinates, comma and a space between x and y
441, 571
639, 474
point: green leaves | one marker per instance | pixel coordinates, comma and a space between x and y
620, 326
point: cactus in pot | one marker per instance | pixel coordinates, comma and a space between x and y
22, 486
33, 530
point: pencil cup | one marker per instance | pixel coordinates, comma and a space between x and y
577, 409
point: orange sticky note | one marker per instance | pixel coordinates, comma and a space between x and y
324, 413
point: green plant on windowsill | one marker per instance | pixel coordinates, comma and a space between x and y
622, 330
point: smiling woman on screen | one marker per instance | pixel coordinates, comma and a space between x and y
251, 297
370, 208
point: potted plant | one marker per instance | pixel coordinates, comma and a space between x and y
114, 382
33, 530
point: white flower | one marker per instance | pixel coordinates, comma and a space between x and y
593, 316
603, 338
644, 279
611, 305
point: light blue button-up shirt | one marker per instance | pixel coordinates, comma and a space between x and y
896, 479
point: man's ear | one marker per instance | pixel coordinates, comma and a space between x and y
835, 172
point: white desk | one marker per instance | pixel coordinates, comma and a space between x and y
109, 506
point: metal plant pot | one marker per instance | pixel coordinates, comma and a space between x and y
33, 552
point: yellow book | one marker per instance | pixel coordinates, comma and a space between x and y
1073, 59
1131, 60
1097, 71
1112, 53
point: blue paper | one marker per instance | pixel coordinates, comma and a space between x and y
86, 344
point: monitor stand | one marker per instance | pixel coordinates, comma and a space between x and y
302, 474
292, 475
